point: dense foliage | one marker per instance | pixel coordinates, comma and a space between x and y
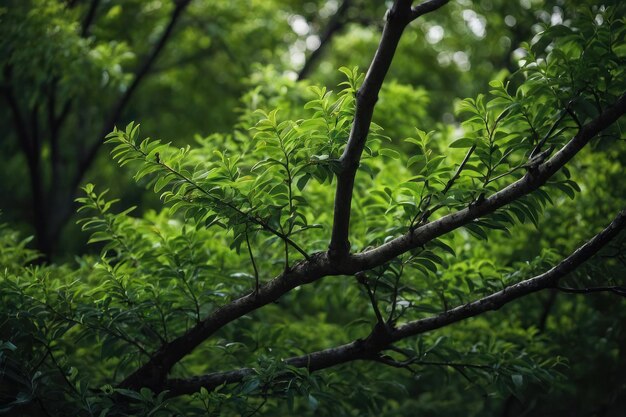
221, 297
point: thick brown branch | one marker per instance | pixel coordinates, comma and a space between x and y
377, 341
398, 17
320, 265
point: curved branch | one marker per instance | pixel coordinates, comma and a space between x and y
426, 7
64, 207
377, 341
495, 301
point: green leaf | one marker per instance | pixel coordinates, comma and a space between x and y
390, 153
463, 143
161, 183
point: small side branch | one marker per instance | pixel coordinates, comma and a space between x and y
415, 361
495, 301
247, 215
456, 175
362, 279
256, 271
621, 291
153, 373
426, 7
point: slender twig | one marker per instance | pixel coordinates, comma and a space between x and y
394, 297
194, 298
256, 271
456, 175
621, 291
89, 18
59, 368
372, 297
254, 219
416, 361
257, 409
539, 145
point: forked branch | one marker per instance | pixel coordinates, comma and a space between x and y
368, 349
398, 17
153, 373
338, 261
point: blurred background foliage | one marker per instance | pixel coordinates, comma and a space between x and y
67, 69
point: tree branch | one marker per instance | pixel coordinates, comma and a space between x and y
86, 161
89, 18
153, 373
54, 125
426, 7
367, 349
18, 119
530, 182
335, 24
29, 143
362, 279
415, 361
398, 17
500, 298
458, 171
621, 291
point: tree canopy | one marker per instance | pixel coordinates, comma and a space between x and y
347, 208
